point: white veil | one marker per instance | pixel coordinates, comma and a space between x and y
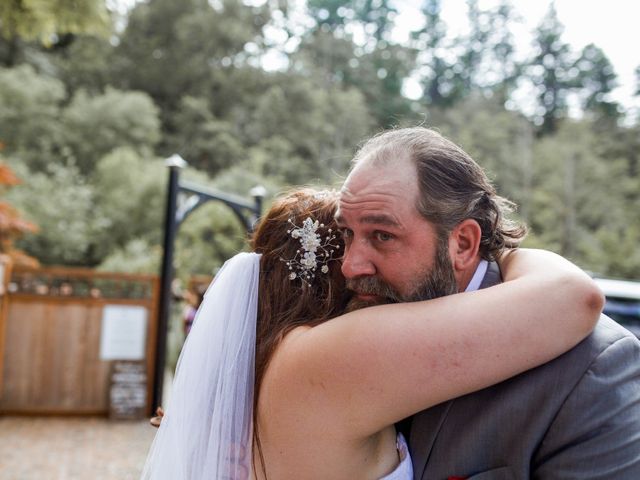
206, 432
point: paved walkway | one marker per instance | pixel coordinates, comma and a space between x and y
54, 448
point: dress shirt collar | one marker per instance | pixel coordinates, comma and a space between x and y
476, 280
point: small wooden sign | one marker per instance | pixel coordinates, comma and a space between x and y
128, 391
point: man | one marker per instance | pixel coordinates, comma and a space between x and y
421, 220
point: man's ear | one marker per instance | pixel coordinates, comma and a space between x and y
464, 244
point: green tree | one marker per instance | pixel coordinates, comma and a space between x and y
330, 13
380, 77
579, 197
84, 64
96, 125
474, 47
551, 72
137, 256
49, 22
374, 65
430, 41
129, 195
373, 17
171, 49
30, 127
328, 58
500, 141
209, 144
597, 80
377, 17
312, 130
62, 203
87, 220
487, 63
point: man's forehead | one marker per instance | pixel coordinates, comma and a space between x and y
384, 190
370, 218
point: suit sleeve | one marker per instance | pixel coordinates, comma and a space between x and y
596, 433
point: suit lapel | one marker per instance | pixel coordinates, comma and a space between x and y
424, 431
492, 277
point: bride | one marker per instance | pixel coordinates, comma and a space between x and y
275, 381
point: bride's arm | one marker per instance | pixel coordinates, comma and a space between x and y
369, 368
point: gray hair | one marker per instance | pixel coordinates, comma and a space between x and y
452, 186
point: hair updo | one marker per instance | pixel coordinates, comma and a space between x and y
285, 303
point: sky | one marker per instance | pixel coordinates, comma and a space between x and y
612, 25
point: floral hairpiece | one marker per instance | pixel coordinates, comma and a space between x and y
315, 251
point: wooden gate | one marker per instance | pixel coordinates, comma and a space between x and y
52, 338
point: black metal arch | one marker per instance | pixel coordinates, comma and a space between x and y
195, 196
183, 198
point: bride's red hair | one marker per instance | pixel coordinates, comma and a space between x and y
283, 303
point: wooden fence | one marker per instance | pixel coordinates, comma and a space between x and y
50, 353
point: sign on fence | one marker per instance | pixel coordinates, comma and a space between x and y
128, 391
124, 332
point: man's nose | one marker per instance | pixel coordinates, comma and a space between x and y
356, 263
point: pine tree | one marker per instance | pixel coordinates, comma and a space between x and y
551, 72
597, 80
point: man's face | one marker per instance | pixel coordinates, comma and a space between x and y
392, 254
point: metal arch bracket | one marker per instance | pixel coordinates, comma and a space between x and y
192, 196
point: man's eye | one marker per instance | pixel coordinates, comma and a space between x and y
383, 236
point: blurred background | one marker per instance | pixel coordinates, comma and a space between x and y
95, 94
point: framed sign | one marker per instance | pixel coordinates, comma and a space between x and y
127, 390
124, 332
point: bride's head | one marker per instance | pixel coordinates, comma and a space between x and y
300, 278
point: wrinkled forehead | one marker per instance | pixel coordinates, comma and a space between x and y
379, 187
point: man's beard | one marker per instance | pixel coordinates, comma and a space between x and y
439, 281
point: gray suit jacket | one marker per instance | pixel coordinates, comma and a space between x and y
576, 417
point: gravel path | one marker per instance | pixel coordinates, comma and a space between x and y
55, 448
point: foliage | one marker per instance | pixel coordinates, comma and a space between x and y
162, 34
129, 196
39, 128
29, 118
61, 202
85, 119
439, 89
12, 225
209, 143
501, 141
597, 79
551, 72
208, 237
95, 125
49, 22
136, 256
84, 64
576, 208
314, 141
41, 19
